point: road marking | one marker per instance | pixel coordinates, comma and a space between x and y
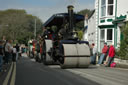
121, 69
8, 75
54, 66
32, 60
13, 75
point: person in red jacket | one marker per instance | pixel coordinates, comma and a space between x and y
104, 51
111, 55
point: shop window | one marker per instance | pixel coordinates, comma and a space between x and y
109, 34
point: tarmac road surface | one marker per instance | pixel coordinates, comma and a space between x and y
28, 72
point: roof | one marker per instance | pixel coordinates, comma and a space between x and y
93, 11
57, 19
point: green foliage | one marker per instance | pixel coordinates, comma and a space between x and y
18, 25
123, 52
80, 25
80, 34
85, 11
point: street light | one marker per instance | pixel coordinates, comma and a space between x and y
35, 29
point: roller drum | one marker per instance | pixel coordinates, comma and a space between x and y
47, 59
76, 55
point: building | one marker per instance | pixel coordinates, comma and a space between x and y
110, 15
90, 32
85, 30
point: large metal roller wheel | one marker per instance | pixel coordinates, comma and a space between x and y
76, 55
46, 47
84, 51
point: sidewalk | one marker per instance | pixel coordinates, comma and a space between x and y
4, 73
121, 63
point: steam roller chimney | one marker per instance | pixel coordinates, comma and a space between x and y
70, 12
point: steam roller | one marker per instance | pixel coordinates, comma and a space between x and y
62, 45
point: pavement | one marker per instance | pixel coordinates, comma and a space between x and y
121, 63
4, 73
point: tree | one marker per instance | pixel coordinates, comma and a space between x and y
80, 25
18, 25
123, 52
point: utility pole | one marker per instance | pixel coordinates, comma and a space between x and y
35, 29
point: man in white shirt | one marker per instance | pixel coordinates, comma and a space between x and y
8, 50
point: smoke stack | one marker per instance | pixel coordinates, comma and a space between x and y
70, 12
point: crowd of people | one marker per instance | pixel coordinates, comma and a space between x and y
8, 53
106, 58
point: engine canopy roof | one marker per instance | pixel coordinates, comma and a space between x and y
58, 19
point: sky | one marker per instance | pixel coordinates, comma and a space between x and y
46, 8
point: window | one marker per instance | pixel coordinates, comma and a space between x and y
103, 12
110, 1
103, 7
110, 7
107, 7
102, 34
110, 10
109, 34
103, 2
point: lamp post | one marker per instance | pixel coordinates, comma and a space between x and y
35, 30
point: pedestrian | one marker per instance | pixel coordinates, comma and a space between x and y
94, 53
1, 55
104, 51
111, 55
17, 51
8, 51
14, 54
106, 56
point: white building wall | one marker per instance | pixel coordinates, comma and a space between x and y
97, 23
85, 35
92, 29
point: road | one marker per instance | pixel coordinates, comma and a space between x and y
28, 72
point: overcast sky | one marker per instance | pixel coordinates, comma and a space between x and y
46, 8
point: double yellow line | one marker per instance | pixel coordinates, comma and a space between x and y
13, 77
